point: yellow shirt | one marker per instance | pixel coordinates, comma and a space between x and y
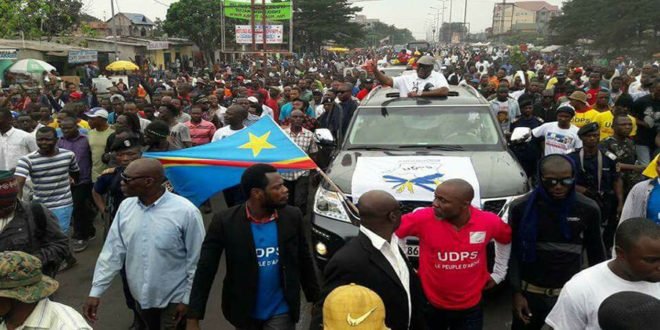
582, 118
82, 124
605, 119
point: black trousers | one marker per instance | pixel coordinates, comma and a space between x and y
444, 319
540, 306
298, 192
84, 211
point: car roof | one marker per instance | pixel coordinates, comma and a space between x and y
458, 96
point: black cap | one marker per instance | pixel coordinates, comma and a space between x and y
588, 128
125, 143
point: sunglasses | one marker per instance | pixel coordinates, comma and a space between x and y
129, 179
553, 182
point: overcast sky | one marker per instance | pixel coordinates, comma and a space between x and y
415, 15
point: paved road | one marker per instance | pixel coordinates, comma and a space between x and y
114, 315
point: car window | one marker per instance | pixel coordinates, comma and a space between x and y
396, 126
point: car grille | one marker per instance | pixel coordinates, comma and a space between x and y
494, 206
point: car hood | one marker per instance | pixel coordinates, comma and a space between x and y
498, 173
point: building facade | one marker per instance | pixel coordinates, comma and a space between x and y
523, 16
131, 25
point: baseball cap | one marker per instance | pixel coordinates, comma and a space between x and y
353, 307
252, 99
125, 143
76, 96
566, 108
426, 60
97, 112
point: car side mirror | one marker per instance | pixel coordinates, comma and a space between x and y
324, 137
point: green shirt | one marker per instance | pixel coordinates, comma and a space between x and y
97, 141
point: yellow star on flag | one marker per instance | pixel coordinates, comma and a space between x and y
257, 143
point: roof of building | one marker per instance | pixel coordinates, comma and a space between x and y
138, 19
51, 48
536, 5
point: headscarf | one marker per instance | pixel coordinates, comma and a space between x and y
530, 220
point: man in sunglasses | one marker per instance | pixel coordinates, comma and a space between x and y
157, 236
551, 227
426, 83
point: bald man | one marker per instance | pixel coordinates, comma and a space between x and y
373, 259
158, 236
453, 236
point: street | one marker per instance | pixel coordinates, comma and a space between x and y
113, 313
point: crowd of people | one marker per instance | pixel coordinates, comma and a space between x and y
589, 144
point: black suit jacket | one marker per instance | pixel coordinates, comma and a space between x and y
359, 262
230, 232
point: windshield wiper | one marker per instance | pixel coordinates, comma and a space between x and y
370, 148
445, 147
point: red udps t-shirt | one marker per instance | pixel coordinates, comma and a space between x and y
452, 264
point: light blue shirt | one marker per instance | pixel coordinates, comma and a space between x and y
160, 245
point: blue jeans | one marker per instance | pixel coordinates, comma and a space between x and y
443, 319
63, 215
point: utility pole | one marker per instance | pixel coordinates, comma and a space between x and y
503, 16
451, 2
114, 29
291, 29
253, 27
465, 20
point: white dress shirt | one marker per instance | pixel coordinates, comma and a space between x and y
392, 254
14, 144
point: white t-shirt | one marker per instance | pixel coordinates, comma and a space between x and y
578, 303
406, 84
558, 140
224, 132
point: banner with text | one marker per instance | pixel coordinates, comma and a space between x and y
83, 56
273, 34
8, 54
279, 11
412, 178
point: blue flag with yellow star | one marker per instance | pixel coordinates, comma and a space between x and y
200, 172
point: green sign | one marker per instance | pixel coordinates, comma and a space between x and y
279, 11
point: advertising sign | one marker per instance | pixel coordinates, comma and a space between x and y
155, 45
7, 54
280, 11
273, 34
83, 56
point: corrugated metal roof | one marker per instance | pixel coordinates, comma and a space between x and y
42, 46
138, 19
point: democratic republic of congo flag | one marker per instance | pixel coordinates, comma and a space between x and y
200, 172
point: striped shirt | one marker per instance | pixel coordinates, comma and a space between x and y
51, 315
50, 176
201, 133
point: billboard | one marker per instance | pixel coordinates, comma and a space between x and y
7, 54
279, 11
273, 34
83, 56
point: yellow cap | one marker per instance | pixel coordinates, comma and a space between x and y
353, 307
651, 171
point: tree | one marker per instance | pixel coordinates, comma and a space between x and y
61, 16
318, 21
36, 18
197, 20
378, 31
613, 25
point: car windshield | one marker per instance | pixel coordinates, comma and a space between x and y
459, 128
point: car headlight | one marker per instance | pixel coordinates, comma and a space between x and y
329, 204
